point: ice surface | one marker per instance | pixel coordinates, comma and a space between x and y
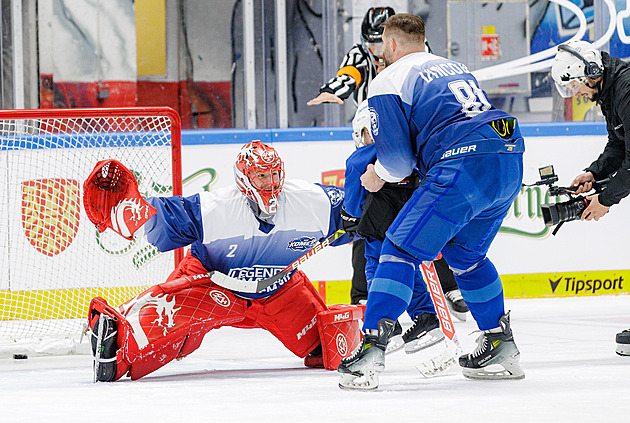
567, 347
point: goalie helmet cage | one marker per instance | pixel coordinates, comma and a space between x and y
52, 259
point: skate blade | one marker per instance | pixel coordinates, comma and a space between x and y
459, 316
508, 369
394, 344
429, 339
440, 364
366, 381
623, 350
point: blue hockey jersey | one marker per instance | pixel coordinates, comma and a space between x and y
423, 105
225, 235
355, 194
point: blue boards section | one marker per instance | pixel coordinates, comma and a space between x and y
22, 141
243, 136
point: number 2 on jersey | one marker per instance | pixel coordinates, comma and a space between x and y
470, 96
232, 248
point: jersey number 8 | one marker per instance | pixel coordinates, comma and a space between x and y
470, 96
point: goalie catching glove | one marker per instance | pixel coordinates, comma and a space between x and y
112, 200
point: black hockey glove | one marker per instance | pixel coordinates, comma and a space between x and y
350, 224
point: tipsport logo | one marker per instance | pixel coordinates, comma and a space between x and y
571, 285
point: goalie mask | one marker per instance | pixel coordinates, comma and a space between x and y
259, 174
574, 64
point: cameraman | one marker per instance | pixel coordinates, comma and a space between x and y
581, 69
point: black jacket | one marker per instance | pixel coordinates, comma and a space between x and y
614, 99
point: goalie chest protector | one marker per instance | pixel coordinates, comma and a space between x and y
339, 332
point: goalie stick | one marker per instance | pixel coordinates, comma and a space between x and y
257, 286
447, 358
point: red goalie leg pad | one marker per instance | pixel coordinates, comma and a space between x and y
291, 314
166, 322
340, 331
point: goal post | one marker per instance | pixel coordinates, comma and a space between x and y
53, 261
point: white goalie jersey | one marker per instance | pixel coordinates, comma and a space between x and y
225, 235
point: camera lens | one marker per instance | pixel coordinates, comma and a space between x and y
554, 214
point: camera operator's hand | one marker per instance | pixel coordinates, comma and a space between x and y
595, 209
584, 182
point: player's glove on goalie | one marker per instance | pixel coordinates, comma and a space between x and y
349, 224
111, 199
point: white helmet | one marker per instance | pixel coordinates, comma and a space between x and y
360, 122
574, 64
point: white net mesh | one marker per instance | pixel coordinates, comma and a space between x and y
52, 260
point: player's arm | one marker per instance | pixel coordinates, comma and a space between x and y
395, 159
111, 200
177, 223
353, 71
336, 198
616, 158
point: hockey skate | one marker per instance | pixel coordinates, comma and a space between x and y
424, 333
103, 338
495, 350
360, 371
456, 304
623, 343
396, 341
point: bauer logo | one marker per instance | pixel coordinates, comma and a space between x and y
50, 214
220, 298
302, 244
342, 344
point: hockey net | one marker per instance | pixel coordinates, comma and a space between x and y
52, 259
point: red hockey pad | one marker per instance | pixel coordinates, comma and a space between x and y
290, 314
111, 199
164, 326
340, 332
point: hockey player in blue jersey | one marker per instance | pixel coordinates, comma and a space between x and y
369, 215
429, 112
249, 231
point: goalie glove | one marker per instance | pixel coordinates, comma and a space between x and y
349, 224
111, 199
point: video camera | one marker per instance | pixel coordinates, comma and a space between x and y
558, 213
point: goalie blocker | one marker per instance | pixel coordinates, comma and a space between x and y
169, 321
